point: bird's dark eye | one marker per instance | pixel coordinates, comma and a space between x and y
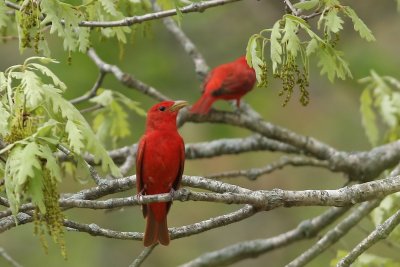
162, 108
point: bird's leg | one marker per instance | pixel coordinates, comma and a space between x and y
172, 192
238, 110
141, 193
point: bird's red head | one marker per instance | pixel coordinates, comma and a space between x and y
242, 60
163, 115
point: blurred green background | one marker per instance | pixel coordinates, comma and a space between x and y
221, 35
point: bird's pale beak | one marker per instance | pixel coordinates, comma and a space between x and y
178, 105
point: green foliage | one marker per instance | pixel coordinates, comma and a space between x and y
111, 122
35, 120
366, 260
307, 5
293, 43
63, 19
380, 108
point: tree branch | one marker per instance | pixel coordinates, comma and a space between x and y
253, 174
128, 21
92, 93
361, 166
175, 232
200, 65
382, 231
143, 255
292, 9
126, 79
335, 234
8, 258
254, 248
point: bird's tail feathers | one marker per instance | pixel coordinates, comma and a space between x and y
156, 230
203, 105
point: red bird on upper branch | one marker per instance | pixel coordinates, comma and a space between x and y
159, 166
228, 81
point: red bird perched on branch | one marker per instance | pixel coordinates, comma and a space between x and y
159, 166
228, 81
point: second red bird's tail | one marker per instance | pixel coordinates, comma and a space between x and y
203, 105
156, 228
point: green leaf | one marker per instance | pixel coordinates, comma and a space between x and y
290, 36
46, 71
333, 22
110, 7
32, 88
368, 117
256, 59
34, 189
104, 99
51, 162
55, 11
84, 39
120, 126
75, 137
13, 190
332, 64
29, 162
3, 82
43, 48
389, 110
306, 5
276, 48
100, 154
359, 25
129, 103
46, 129
4, 116
312, 46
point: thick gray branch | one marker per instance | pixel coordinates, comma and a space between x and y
335, 234
225, 146
254, 248
358, 165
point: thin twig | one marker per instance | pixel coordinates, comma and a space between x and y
291, 7
130, 161
93, 173
254, 173
335, 234
8, 258
91, 109
12, 5
200, 65
175, 232
382, 231
128, 21
92, 93
126, 79
143, 255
